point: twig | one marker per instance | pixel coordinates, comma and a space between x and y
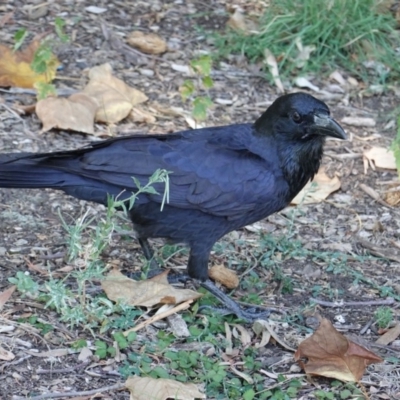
185, 305
117, 386
366, 326
324, 303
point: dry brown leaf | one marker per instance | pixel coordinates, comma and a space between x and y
393, 198
332, 355
389, 336
223, 275
115, 99
15, 69
261, 326
318, 189
144, 388
237, 22
145, 293
379, 157
149, 43
75, 113
4, 296
6, 355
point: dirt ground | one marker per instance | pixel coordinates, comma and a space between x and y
350, 222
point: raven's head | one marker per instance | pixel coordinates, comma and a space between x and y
298, 125
299, 117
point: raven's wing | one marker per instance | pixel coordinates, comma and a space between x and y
211, 169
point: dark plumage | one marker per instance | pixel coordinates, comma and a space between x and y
221, 179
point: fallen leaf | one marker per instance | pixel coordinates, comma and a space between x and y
223, 275
304, 53
379, 157
261, 325
318, 189
145, 388
389, 336
393, 198
149, 43
75, 113
16, 71
270, 60
359, 121
5, 296
237, 21
305, 83
145, 293
114, 97
332, 355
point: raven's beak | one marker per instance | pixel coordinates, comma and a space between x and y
324, 125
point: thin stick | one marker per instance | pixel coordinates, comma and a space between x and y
157, 317
117, 386
324, 303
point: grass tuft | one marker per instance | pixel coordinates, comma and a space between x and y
352, 35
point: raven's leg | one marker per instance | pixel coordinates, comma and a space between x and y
198, 269
154, 267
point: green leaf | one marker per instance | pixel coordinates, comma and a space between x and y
59, 24
202, 65
249, 394
200, 107
187, 89
19, 38
208, 83
45, 90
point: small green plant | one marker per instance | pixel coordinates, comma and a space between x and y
85, 246
37, 323
25, 284
197, 90
44, 62
383, 317
354, 35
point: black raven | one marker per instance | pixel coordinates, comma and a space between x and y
220, 178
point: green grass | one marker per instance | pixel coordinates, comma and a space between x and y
345, 34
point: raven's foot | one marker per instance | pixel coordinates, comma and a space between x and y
248, 314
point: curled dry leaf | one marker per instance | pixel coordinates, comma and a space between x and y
223, 275
75, 113
318, 189
115, 99
4, 296
144, 388
270, 60
379, 157
16, 71
149, 43
241, 23
332, 355
6, 355
145, 293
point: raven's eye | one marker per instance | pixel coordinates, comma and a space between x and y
296, 117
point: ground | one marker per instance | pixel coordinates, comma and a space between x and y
342, 249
